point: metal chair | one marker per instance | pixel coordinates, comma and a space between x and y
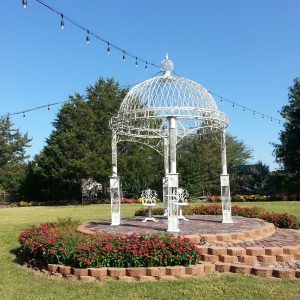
149, 200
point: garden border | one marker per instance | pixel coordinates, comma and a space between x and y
146, 274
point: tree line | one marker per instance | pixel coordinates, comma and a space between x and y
79, 147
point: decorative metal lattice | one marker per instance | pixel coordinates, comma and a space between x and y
149, 200
143, 114
182, 201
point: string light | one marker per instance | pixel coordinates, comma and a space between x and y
48, 107
62, 22
253, 113
222, 99
263, 116
108, 48
24, 115
124, 57
146, 66
91, 34
87, 39
136, 62
24, 3
243, 108
232, 104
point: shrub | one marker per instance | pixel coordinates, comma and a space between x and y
157, 211
279, 220
61, 243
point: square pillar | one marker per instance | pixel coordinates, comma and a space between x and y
115, 196
172, 188
226, 201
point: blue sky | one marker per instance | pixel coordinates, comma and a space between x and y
247, 51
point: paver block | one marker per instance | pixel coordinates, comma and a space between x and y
116, 272
194, 238
65, 270
175, 271
97, 272
240, 269
237, 236
156, 271
284, 273
209, 258
236, 251
209, 237
136, 272
290, 250
273, 251
248, 260
209, 268
194, 269
266, 258
222, 267
80, 272
262, 271
228, 259
202, 249
53, 268
255, 251
284, 258
223, 237
215, 250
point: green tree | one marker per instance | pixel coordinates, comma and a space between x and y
287, 152
79, 147
199, 162
13, 156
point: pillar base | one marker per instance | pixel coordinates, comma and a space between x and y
227, 219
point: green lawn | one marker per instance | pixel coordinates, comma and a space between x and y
17, 282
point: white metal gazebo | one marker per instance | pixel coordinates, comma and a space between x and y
159, 112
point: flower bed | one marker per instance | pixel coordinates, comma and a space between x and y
61, 243
279, 220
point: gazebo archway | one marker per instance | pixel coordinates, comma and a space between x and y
160, 112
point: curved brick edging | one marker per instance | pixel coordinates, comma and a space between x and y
164, 273
265, 230
130, 274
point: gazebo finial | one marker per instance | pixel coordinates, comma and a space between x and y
166, 66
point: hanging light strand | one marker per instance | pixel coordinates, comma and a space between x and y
245, 108
90, 34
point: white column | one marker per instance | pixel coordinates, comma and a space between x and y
225, 186
165, 180
172, 179
115, 189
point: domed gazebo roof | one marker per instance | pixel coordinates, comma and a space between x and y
144, 112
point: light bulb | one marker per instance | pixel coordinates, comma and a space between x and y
88, 39
146, 67
232, 104
221, 99
243, 108
62, 22
124, 58
24, 115
136, 62
48, 107
108, 49
24, 3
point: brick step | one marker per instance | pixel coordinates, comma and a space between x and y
265, 230
249, 255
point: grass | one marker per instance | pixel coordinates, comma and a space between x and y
17, 282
